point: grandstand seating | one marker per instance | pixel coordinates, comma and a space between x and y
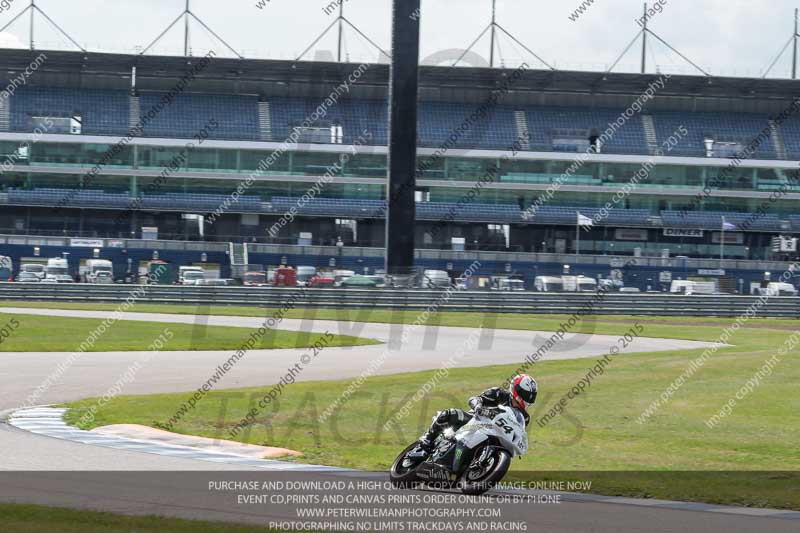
366, 208
96, 198
549, 214
106, 112
438, 121
542, 121
791, 137
188, 114
712, 220
355, 117
745, 127
447, 211
329, 206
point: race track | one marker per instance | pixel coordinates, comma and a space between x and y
60, 462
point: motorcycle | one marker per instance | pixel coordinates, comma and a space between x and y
473, 459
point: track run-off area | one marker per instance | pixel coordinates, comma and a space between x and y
54, 467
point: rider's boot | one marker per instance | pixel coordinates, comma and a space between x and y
426, 441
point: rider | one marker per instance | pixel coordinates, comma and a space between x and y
520, 395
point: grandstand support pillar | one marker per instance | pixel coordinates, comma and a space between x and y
403, 89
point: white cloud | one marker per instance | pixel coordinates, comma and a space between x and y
9, 40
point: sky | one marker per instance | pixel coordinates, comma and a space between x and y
725, 37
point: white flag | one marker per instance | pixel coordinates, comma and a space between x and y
584, 221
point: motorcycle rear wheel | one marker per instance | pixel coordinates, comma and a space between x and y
404, 476
474, 482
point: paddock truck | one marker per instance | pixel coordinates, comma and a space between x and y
472, 459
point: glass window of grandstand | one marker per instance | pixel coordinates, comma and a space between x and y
430, 167
70, 154
776, 179
316, 163
250, 160
366, 166
13, 180
54, 181
470, 169
211, 159
730, 178
160, 157
14, 153
486, 196
516, 171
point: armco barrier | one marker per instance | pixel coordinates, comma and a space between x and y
471, 301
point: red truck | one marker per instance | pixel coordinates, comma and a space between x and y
285, 277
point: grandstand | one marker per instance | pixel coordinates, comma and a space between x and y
554, 118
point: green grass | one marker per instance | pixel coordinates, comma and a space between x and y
40, 519
383, 316
598, 433
37, 333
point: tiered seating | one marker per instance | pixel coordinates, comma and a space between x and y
329, 206
97, 198
438, 121
542, 121
447, 211
103, 112
188, 114
743, 126
68, 198
558, 215
355, 117
203, 202
791, 137
712, 220
467, 212
106, 112
364, 208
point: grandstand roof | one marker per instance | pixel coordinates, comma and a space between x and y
306, 78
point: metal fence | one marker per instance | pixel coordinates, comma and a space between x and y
469, 301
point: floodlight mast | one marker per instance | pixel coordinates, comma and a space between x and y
186, 14
186, 30
644, 41
794, 54
492, 27
33, 9
341, 20
643, 33
793, 40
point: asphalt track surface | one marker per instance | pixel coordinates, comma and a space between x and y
62, 481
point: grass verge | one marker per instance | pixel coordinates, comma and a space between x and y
41, 519
673, 455
383, 316
35, 333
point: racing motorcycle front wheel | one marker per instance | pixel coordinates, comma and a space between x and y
403, 473
485, 471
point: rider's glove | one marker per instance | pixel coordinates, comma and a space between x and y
481, 411
475, 403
